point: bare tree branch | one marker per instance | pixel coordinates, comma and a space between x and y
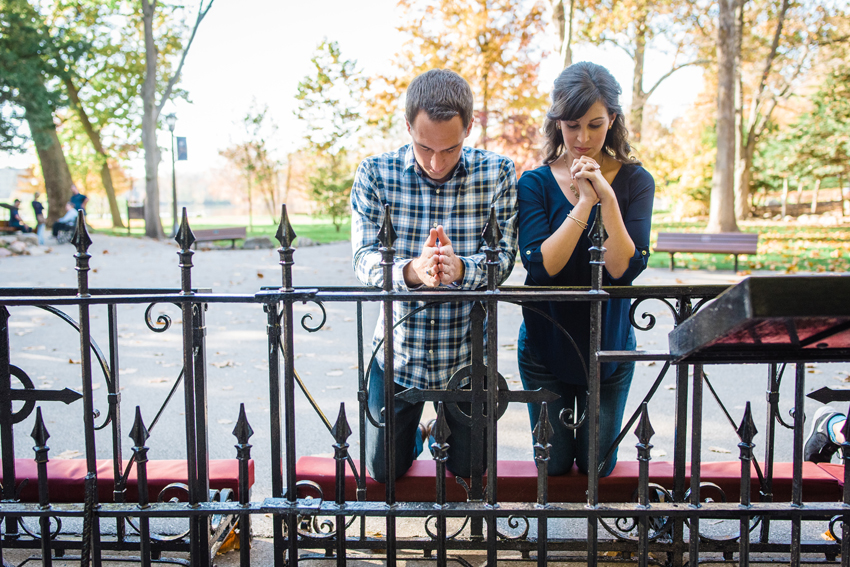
176, 77
673, 70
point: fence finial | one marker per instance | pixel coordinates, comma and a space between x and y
747, 430
387, 235
139, 433
39, 431
285, 233
185, 237
644, 430
341, 430
81, 239
243, 430
542, 432
492, 233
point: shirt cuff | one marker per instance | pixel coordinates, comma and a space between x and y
637, 264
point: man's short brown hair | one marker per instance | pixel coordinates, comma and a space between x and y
442, 94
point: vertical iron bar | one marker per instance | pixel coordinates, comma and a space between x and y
7, 437
440, 451
114, 399
91, 524
845, 519
40, 436
139, 434
770, 436
199, 350
362, 398
797, 483
477, 408
597, 261
492, 236
644, 433
680, 443
243, 433
543, 431
286, 235
696, 463
746, 432
185, 238
274, 333
341, 432
387, 237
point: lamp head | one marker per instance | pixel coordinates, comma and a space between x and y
171, 120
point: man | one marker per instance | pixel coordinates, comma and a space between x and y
38, 209
439, 194
78, 200
15, 220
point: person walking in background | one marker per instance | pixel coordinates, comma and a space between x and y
38, 209
15, 220
587, 161
78, 200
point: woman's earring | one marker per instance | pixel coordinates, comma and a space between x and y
558, 126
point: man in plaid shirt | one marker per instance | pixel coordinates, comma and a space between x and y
439, 194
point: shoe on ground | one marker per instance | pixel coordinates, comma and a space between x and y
819, 446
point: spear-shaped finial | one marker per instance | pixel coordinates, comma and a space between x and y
492, 233
341, 430
39, 431
139, 433
81, 239
644, 430
185, 237
243, 430
543, 431
285, 234
441, 430
387, 235
747, 430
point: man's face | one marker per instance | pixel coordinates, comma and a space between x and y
437, 145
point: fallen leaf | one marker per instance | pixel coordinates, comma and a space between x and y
334, 373
669, 386
334, 388
128, 370
225, 421
719, 450
261, 276
227, 387
648, 362
106, 251
510, 346
126, 335
36, 347
224, 364
348, 319
158, 380
69, 454
72, 361
659, 453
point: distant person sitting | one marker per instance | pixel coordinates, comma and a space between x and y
67, 223
78, 200
825, 437
38, 209
15, 220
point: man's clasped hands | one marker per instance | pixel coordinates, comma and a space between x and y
437, 264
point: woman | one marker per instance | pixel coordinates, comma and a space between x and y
586, 162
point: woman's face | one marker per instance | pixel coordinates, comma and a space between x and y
586, 136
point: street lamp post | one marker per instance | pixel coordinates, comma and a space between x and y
171, 120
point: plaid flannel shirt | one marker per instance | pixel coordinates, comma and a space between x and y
432, 344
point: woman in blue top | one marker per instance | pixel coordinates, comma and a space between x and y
586, 162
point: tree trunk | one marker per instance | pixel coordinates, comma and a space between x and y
54, 167
742, 165
814, 209
722, 210
639, 96
153, 224
784, 209
563, 16
94, 138
797, 203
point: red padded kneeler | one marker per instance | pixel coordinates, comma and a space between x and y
67, 479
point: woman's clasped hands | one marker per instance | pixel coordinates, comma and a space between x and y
588, 179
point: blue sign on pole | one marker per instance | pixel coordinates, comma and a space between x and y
181, 149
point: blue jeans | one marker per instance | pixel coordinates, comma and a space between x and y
408, 443
569, 446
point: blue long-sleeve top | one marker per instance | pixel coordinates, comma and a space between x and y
542, 209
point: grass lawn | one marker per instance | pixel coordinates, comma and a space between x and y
783, 247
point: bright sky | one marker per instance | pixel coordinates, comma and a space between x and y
261, 49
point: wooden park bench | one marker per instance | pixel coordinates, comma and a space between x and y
5, 228
734, 243
518, 481
134, 212
231, 233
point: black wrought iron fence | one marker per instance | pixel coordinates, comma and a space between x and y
664, 520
